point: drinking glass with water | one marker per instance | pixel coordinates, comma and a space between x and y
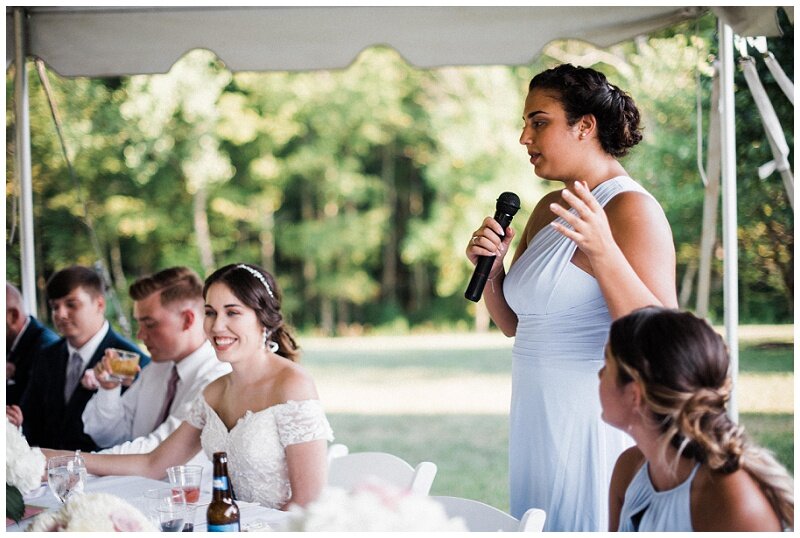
66, 476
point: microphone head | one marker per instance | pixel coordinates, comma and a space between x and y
508, 203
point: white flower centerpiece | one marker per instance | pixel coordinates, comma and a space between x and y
93, 512
24, 469
373, 506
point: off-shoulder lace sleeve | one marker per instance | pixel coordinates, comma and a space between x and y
197, 414
299, 422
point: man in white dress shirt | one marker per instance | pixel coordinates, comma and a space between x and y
169, 309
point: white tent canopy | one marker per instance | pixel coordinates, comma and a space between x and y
117, 41
113, 41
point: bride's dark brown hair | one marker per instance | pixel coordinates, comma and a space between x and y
262, 296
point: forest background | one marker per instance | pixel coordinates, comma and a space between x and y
359, 188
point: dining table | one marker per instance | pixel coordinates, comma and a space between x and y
253, 517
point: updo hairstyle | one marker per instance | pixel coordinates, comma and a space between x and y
681, 365
248, 288
581, 91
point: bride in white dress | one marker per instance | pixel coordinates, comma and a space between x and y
265, 414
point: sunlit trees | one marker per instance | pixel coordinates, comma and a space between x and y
360, 187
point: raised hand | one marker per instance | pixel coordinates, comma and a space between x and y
99, 376
590, 228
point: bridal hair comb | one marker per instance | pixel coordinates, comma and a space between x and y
258, 276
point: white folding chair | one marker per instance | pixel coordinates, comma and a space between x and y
481, 517
349, 470
532, 520
337, 450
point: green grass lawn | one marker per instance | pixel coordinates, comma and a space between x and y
470, 449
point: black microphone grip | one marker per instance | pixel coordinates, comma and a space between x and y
507, 207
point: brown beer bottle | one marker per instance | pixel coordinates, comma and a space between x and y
222, 514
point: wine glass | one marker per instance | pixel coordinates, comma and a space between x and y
66, 476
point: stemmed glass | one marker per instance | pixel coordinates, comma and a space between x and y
66, 476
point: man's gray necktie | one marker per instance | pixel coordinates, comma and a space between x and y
74, 373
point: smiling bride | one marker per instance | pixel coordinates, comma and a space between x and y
265, 413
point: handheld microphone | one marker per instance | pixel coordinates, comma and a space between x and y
507, 207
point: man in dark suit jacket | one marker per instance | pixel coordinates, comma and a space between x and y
25, 336
51, 408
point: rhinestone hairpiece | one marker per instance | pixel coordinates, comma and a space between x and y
258, 276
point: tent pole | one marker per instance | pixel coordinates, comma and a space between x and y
22, 164
729, 222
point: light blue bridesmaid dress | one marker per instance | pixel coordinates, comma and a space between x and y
561, 453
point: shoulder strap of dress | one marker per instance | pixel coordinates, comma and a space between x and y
694, 472
608, 189
641, 480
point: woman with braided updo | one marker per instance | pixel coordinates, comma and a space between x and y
591, 252
665, 382
265, 413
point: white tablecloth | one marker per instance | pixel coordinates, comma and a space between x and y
132, 488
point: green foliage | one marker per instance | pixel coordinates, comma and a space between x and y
774, 432
15, 506
767, 357
766, 219
471, 450
360, 187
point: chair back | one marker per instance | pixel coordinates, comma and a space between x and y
481, 517
533, 520
350, 470
336, 450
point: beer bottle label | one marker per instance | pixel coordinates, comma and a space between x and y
226, 527
221, 482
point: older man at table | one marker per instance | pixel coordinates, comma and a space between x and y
169, 309
51, 408
25, 337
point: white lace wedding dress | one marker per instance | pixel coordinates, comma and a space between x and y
256, 445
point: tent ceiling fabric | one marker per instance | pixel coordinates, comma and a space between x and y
115, 41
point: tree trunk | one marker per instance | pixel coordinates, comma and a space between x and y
201, 230
116, 268
326, 314
309, 268
687, 283
389, 275
343, 316
710, 204
267, 239
420, 286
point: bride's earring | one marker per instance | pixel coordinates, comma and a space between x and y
267, 343
264, 338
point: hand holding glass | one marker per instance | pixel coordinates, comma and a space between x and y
124, 364
66, 476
